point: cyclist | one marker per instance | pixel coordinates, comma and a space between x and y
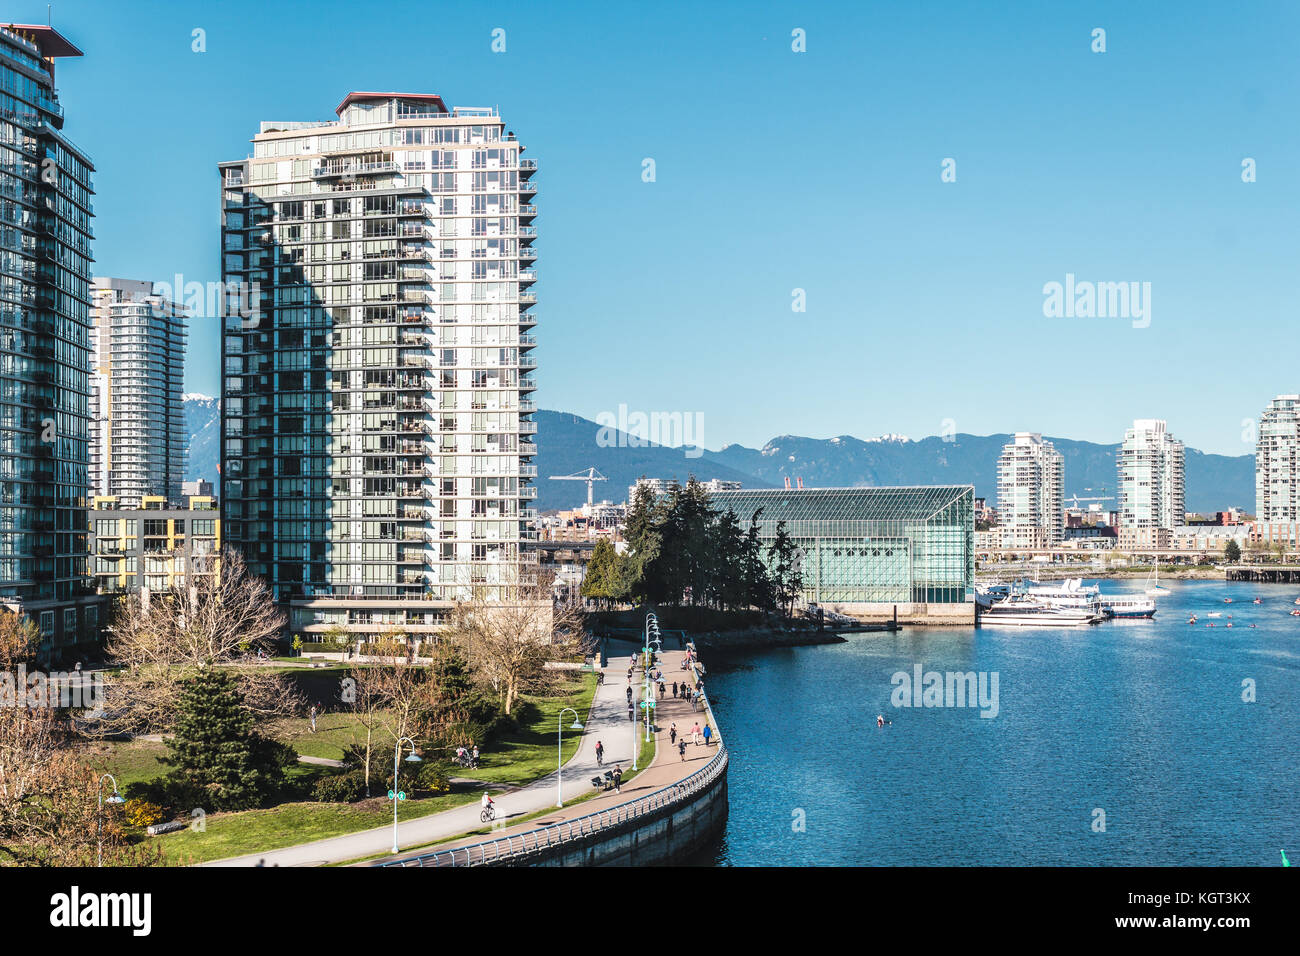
488, 806
600, 754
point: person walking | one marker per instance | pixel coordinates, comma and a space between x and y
629, 693
473, 756
661, 690
631, 711
674, 690
695, 734
672, 734
600, 754
617, 777
313, 718
681, 747
708, 734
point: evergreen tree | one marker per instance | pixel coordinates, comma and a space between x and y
600, 581
221, 762
757, 581
643, 531
786, 561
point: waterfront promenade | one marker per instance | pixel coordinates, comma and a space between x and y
667, 768
607, 722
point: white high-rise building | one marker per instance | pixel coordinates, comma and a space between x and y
1277, 462
1152, 492
377, 415
137, 438
1031, 493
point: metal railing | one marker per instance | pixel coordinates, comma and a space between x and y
532, 842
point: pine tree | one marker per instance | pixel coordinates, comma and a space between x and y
221, 762
785, 559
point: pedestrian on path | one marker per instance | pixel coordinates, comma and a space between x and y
674, 690
695, 734
631, 711
629, 693
672, 734
708, 734
681, 747
600, 753
617, 776
313, 718
661, 690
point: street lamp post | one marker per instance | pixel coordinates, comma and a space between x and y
559, 753
99, 827
397, 795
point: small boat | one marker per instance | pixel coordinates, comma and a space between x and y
1227, 600
1259, 600
1214, 614
1153, 588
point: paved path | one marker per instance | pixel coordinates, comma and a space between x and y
607, 723
668, 767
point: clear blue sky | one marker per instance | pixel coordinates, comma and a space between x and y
776, 171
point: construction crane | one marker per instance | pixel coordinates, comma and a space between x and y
590, 476
1103, 497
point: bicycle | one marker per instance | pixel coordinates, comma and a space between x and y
488, 813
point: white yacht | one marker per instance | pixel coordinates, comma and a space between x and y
1023, 612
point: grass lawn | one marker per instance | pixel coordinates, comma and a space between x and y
130, 762
529, 752
235, 834
518, 757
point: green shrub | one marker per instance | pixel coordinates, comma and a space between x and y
434, 778
347, 787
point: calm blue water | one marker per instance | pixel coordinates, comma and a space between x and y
1142, 719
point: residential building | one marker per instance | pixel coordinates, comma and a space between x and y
45, 237
1144, 539
138, 435
1277, 462
1207, 541
1151, 465
874, 552
377, 413
158, 546
1031, 492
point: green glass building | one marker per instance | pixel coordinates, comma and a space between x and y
866, 551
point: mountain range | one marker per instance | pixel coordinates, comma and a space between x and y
568, 444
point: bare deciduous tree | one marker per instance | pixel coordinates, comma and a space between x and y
213, 619
508, 642
160, 639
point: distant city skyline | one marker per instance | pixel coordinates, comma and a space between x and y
925, 300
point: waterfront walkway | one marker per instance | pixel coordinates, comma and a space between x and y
607, 723
667, 768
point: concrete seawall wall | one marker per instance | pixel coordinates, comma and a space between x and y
670, 835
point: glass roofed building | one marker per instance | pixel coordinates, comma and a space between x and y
867, 551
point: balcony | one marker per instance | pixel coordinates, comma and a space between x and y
335, 170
